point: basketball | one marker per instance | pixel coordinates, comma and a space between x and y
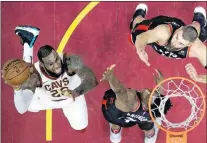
15, 71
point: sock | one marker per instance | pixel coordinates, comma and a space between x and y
116, 130
28, 53
151, 135
138, 12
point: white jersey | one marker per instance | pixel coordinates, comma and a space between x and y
54, 86
49, 95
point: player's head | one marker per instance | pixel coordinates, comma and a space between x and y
183, 37
50, 61
72, 63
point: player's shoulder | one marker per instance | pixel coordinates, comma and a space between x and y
163, 28
61, 55
162, 31
37, 63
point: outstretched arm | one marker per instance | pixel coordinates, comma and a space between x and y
158, 79
115, 84
151, 36
199, 51
154, 35
75, 65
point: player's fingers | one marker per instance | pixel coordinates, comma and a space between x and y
189, 64
73, 97
155, 77
146, 56
147, 63
192, 75
158, 72
189, 69
112, 67
31, 69
103, 78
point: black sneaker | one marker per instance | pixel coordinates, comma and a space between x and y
200, 17
203, 34
141, 9
27, 34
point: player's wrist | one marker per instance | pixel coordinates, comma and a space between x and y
201, 78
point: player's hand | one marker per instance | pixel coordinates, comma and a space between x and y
192, 72
108, 74
143, 56
69, 93
158, 77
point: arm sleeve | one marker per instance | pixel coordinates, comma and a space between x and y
22, 99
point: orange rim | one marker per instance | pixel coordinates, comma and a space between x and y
201, 94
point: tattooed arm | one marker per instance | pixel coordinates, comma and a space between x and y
88, 81
115, 84
158, 79
74, 65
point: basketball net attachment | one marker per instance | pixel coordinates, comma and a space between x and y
176, 87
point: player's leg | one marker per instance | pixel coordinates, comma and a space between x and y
150, 130
139, 15
199, 22
28, 36
77, 113
115, 133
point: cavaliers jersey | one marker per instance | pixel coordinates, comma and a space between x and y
56, 85
118, 117
173, 23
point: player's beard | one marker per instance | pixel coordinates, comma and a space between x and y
53, 74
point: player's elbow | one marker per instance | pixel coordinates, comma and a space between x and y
21, 111
20, 107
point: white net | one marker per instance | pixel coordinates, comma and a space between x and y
172, 89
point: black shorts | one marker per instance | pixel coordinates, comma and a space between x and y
112, 114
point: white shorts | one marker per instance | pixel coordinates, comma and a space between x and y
77, 113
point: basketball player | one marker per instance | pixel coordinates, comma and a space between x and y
125, 107
62, 77
170, 37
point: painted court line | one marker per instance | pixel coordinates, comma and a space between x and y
60, 49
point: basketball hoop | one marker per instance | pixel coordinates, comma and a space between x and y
178, 87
